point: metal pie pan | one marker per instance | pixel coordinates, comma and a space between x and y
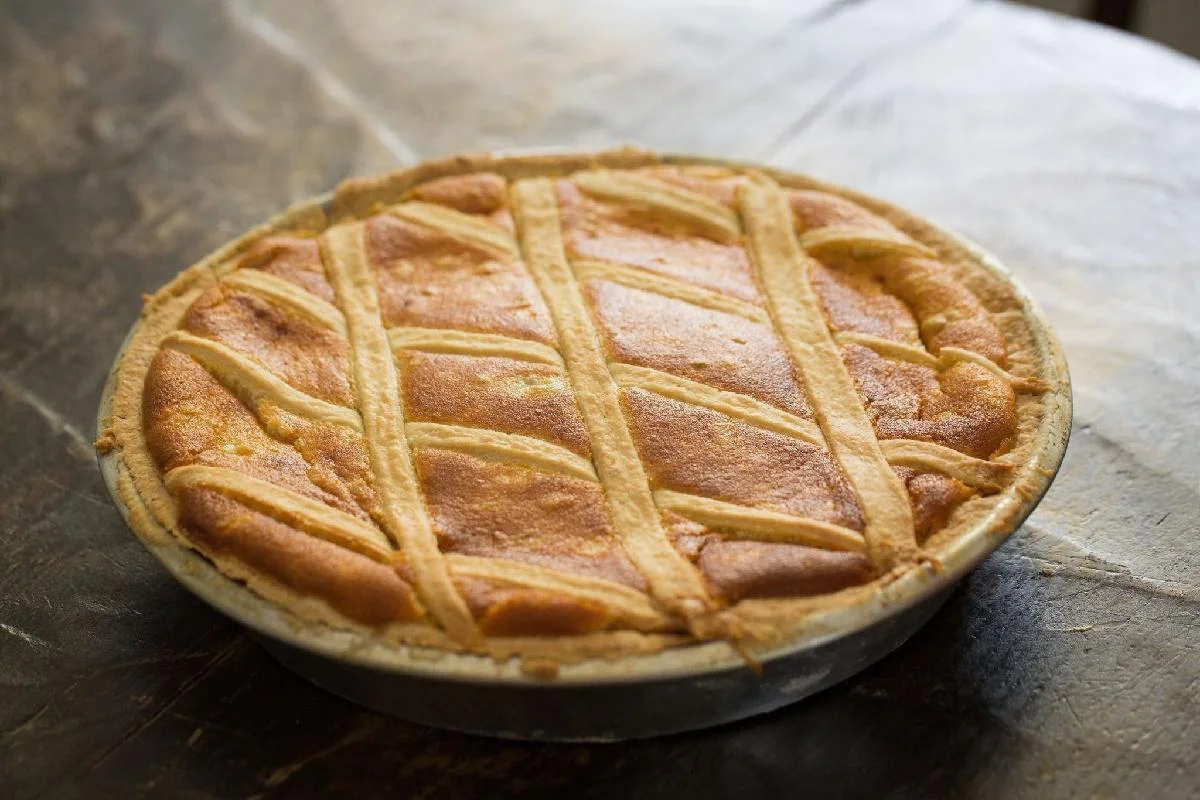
636, 696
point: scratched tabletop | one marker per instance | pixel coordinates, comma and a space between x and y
137, 135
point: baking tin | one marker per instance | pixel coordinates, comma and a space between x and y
678, 689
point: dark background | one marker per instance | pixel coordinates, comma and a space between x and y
1175, 23
134, 138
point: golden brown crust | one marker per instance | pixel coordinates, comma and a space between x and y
880, 274
701, 344
363, 590
626, 233
501, 510
313, 359
472, 193
702, 452
429, 279
531, 612
493, 393
761, 569
963, 407
292, 259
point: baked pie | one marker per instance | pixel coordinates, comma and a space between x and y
592, 404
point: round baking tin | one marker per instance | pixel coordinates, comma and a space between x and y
635, 696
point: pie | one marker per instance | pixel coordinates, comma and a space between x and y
592, 404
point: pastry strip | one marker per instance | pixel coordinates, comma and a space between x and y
303, 513
738, 406
494, 445
945, 357
289, 296
889, 348
343, 250
784, 270
952, 355
669, 287
467, 343
253, 383
673, 580
871, 240
760, 525
464, 227
629, 605
709, 215
929, 457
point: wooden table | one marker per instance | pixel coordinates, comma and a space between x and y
135, 137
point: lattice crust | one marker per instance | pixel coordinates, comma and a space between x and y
615, 399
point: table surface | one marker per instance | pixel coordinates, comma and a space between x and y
133, 139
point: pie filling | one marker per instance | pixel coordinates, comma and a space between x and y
623, 399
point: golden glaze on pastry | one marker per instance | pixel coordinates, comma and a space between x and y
556, 397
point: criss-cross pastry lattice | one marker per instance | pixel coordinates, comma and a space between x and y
552, 403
